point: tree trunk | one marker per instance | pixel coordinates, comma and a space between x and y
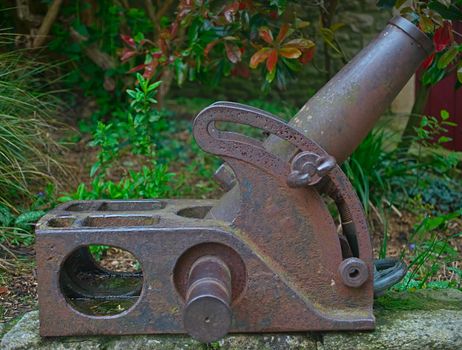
48, 21
164, 88
409, 132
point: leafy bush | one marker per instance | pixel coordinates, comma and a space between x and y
131, 133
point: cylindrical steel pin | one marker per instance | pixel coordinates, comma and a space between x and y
207, 314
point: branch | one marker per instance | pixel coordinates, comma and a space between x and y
48, 21
100, 58
24, 14
163, 9
151, 11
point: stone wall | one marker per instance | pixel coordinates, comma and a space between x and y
420, 320
363, 20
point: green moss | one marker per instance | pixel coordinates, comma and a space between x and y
420, 300
8, 325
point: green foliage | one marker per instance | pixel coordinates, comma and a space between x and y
149, 182
207, 40
425, 182
380, 175
17, 229
26, 145
435, 19
132, 133
72, 37
365, 169
431, 254
98, 251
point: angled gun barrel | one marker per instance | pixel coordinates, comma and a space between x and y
341, 114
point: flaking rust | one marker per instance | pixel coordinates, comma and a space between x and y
268, 257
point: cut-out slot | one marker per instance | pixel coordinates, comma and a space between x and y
120, 221
82, 206
131, 206
194, 212
63, 221
99, 291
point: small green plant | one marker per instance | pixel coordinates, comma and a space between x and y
422, 181
149, 182
432, 252
133, 131
16, 227
98, 251
16, 230
133, 135
364, 170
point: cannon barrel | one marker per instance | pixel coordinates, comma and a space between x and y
340, 115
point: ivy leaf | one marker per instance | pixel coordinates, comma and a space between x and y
127, 39
444, 114
452, 12
259, 57
290, 52
272, 61
443, 36
210, 46
307, 55
5, 216
127, 54
266, 34
447, 57
283, 33
444, 139
300, 43
428, 61
459, 73
26, 220
233, 53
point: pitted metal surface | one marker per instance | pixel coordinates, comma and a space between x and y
267, 257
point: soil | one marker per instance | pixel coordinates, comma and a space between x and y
18, 292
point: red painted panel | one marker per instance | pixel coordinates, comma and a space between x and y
444, 96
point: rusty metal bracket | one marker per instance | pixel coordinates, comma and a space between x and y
278, 264
286, 249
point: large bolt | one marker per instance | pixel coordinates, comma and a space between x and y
207, 314
354, 272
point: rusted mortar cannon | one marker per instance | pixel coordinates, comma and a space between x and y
267, 257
